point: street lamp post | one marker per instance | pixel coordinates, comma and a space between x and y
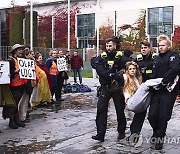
52, 32
31, 24
97, 26
68, 25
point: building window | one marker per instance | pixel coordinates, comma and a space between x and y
160, 21
85, 29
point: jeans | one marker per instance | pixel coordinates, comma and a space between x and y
77, 70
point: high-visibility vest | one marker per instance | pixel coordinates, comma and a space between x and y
16, 81
53, 69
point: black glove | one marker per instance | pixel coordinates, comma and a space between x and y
158, 87
117, 77
151, 89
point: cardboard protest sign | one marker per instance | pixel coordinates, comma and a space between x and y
26, 68
61, 64
4, 72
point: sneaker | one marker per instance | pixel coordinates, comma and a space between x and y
98, 137
121, 136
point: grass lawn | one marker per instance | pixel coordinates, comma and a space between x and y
85, 74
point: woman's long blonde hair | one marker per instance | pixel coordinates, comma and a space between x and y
130, 84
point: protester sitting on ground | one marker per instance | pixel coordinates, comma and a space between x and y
132, 79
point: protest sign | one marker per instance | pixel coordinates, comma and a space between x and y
26, 68
61, 64
4, 72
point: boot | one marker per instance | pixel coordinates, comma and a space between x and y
17, 122
98, 137
12, 124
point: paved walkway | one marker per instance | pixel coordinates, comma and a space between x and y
67, 128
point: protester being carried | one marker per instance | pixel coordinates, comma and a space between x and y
132, 79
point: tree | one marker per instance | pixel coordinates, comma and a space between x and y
27, 28
133, 34
60, 30
176, 38
106, 31
16, 26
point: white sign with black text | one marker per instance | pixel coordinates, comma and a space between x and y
26, 68
4, 72
61, 64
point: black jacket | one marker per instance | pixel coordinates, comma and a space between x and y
145, 66
104, 70
166, 66
93, 62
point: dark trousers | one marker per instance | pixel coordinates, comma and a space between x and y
137, 122
17, 93
79, 72
160, 111
102, 109
54, 90
60, 81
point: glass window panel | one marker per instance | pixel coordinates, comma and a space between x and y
153, 15
167, 16
168, 29
152, 29
153, 42
160, 29
160, 14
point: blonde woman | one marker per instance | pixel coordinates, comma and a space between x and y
132, 78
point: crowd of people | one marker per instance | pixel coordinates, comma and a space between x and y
120, 77
22, 94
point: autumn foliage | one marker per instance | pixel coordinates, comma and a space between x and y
60, 29
176, 38
133, 34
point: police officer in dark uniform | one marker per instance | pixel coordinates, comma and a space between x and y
107, 65
166, 66
145, 62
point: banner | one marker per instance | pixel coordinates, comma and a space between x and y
4, 72
61, 64
26, 68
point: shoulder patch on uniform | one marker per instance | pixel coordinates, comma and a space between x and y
118, 54
104, 54
139, 57
172, 58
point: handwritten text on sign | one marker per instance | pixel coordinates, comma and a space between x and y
61, 63
4, 72
26, 68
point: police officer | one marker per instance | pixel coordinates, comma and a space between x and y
107, 66
166, 66
145, 62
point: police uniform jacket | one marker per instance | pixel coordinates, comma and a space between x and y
166, 66
146, 65
104, 69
